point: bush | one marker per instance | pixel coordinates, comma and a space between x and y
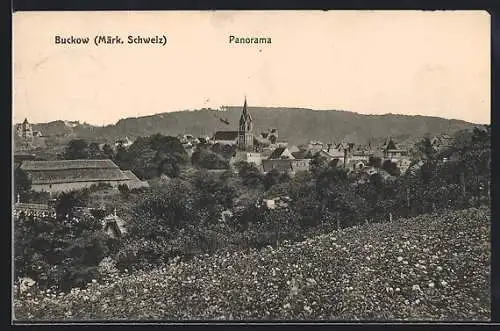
61, 253
206, 159
124, 190
412, 269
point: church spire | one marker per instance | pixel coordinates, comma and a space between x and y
245, 119
245, 136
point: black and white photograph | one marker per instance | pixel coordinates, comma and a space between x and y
251, 166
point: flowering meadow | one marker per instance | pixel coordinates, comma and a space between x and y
431, 267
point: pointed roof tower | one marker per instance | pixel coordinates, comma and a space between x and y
246, 119
389, 143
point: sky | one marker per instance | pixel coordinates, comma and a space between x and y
434, 63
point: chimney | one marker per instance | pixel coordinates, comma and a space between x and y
329, 147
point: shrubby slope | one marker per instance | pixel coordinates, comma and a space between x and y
432, 267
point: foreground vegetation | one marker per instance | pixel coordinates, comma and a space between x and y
431, 267
190, 210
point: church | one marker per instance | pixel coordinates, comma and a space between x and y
243, 139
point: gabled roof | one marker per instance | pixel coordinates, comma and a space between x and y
226, 135
130, 175
389, 144
67, 171
133, 181
31, 165
302, 154
276, 154
32, 206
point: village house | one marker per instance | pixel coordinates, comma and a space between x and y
125, 142
315, 146
33, 209
338, 150
357, 164
394, 154
360, 155
250, 157
66, 175
24, 130
226, 138
443, 142
281, 153
27, 139
391, 151
403, 164
283, 160
114, 225
293, 149
205, 140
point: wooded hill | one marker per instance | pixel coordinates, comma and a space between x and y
295, 125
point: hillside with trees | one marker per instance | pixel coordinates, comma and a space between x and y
295, 125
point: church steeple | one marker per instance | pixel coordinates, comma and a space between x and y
245, 119
245, 137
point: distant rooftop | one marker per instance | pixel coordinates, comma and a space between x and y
226, 135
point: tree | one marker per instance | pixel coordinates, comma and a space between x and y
249, 173
318, 164
162, 212
124, 190
22, 183
76, 149
271, 178
227, 151
391, 168
67, 201
170, 167
94, 151
107, 151
206, 159
375, 161
64, 254
212, 195
425, 149
168, 145
149, 157
122, 157
427, 172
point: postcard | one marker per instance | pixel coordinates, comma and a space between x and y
251, 166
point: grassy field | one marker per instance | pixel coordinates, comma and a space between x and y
432, 267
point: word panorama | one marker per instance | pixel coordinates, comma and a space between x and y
249, 40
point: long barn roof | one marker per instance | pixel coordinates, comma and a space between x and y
68, 164
71, 171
